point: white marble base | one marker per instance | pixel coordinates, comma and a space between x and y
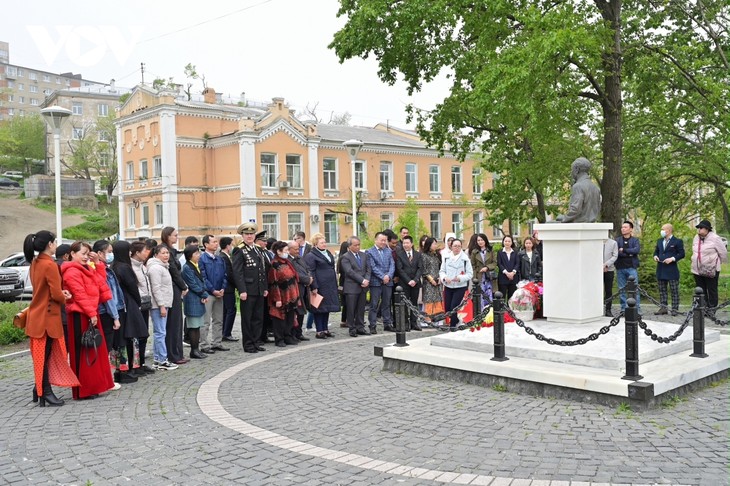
573, 270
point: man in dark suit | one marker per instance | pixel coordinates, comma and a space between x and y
304, 246
669, 250
357, 272
229, 296
409, 268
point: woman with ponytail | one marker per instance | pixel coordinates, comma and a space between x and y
43, 322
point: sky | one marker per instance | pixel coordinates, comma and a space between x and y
265, 48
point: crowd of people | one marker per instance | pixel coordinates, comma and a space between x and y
91, 308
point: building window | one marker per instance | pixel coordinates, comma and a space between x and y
270, 224
434, 179
21, 99
457, 224
103, 136
158, 214
476, 181
294, 223
143, 173
386, 176
46, 78
294, 171
411, 178
435, 224
11, 98
386, 221
103, 110
496, 232
130, 171
331, 228
268, 170
456, 179
32, 76
11, 84
11, 71
77, 133
157, 167
77, 108
33, 88
145, 215
329, 168
131, 216
47, 91
360, 175
20, 73
33, 102
58, 80
11, 111
21, 87
103, 159
476, 219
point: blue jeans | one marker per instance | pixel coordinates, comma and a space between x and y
622, 277
382, 295
159, 329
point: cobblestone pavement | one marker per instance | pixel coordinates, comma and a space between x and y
324, 413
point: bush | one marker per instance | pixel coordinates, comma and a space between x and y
10, 334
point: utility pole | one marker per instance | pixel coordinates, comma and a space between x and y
142, 69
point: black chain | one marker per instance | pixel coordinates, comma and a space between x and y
441, 316
673, 337
540, 337
710, 313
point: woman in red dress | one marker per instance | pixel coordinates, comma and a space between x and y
88, 289
47, 346
283, 296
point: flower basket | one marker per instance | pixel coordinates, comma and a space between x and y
526, 300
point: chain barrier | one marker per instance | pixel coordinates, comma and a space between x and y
540, 337
423, 318
673, 337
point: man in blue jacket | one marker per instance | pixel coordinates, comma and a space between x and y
213, 269
381, 282
668, 251
627, 263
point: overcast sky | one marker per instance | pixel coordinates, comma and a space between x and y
265, 48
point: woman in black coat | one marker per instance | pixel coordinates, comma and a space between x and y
174, 335
508, 263
322, 264
135, 326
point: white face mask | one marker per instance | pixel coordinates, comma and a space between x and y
663, 233
283, 255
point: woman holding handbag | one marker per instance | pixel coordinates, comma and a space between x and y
195, 300
43, 320
139, 253
89, 289
484, 265
433, 292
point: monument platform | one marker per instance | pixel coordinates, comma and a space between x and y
591, 372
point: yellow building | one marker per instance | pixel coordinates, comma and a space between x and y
204, 167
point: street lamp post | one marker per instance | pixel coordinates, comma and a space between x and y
353, 148
55, 116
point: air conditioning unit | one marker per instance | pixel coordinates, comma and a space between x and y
284, 184
314, 218
348, 219
385, 195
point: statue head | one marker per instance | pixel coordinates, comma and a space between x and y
581, 165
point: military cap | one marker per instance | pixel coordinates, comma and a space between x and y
260, 236
247, 227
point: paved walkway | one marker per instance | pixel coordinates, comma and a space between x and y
324, 413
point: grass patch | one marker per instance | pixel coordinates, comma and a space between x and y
499, 387
10, 334
673, 401
624, 409
96, 226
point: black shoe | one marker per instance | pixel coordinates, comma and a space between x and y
416, 328
362, 332
453, 329
661, 312
146, 369
124, 378
389, 328
230, 339
373, 330
220, 348
260, 348
207, 350
675, 313
320, 335
608, 314
196, 354
354, 334
280, 344
328, 334
302, 338
253, 350
135, 373
291, 341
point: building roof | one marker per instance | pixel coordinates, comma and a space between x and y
372, 136
239, 110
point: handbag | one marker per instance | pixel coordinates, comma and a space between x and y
492, 275
20, 319
146, 303
91, 339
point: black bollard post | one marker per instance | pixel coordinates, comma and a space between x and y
698, 325
631, 318
631, 288
476, 297
497, 305
401, 318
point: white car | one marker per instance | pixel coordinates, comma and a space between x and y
13, 174
17, 262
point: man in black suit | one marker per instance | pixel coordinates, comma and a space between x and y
669, 250
304, 246
356, 268
409, 268
229, 295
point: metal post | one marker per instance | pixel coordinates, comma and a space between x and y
401, 318
698, 325
631, 288
631, 318
497, 305
57, 178
354, 199
476, 298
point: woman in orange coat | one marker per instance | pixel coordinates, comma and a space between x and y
43, 321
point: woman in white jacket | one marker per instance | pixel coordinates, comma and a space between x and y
455, 273
161, 290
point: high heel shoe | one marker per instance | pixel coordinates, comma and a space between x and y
35, 395
50, 398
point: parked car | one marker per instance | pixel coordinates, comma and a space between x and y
17, 262
11, 285
13, 174
5, 182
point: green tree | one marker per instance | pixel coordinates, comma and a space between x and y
22, 141
408, 217
94, 154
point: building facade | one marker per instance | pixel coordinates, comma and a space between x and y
204, 167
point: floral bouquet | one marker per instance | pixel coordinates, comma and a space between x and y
526, 300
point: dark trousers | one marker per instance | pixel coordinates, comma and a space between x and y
174, 328
380, 296
297, 331
607, 289
507, 290
709, 286
266, 325
663, 295
453, 298
321, 321
143, 341
252, 319
411, 293
229, 313
284, 328
355, 310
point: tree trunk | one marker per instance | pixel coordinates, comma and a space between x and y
541, 212
720, 191
612, 145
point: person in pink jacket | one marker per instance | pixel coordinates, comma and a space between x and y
708, 254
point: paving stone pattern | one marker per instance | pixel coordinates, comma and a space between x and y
352, 424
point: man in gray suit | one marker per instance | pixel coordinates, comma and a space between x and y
357, 272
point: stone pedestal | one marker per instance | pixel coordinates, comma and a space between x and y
572, 270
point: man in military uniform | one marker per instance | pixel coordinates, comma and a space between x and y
250, 277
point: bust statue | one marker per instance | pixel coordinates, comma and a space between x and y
585, 196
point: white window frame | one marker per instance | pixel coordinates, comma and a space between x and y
159, 214
270, 224
145, 212
131, 216
294, 223
144, 170
77, 108
331, 228
32, 76
268, 179
386, 176
11, 98
386, 221
329, 176
457, 223
21, 87
476, 220
157, 167
21, 99
361, 183
46, 78
104, 158
33, 88
456, 182
476, 181
411, 177
130, 171
434, 224
294, 171
103, 109
77, 133
33, 102
437, 181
